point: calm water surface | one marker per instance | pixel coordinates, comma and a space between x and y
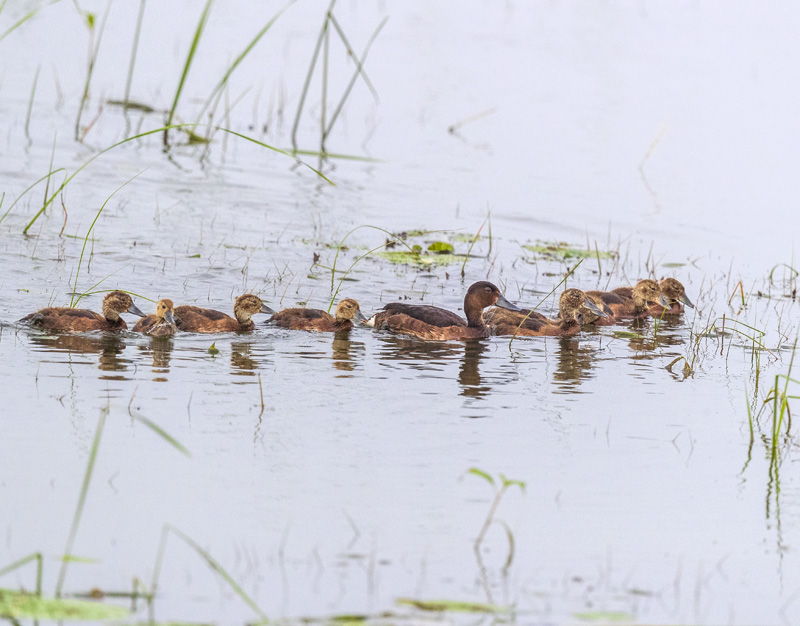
329, 473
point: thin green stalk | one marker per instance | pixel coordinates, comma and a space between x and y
307, 83
30, 102
31, 186
210, 561
478, 234
358, 72
561, 282
88, 232
217, 91
36, 556
17, 24
195, 42
136, 33
92, 61
76, 520
162, 433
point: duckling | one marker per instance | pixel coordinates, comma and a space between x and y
161, 324
632, 301
318, 320
675, 295
433, 323
571, 304
193, 319
83, 320
591, 318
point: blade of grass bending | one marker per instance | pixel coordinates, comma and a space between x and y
478, 234
92, 61
335, 155
19, 23
224, 80
76, 520
36, 556
136, 33
359, 72
212, 563
278, 150
30, 102
69, 178
561, 282
162, 433
195, 42
315, 55
13, 204
89, 232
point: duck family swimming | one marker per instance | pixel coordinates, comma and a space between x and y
426, 322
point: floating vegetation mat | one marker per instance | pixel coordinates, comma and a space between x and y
18, 604
437, 253
562, 251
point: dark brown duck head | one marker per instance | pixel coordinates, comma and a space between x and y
573, 303
117, 302
481, 295
648, 291
248, 305
348, 310
674, 292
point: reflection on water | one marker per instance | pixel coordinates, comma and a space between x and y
469, 374
109, 347
648, 334
242, 361
160, 350
575, 363
346, 352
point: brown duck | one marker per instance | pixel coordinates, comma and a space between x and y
318, 320
571, 305
194, 319
161, 324
82, 320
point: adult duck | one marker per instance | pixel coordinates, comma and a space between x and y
160, 324
320, 321
571, 305
65, 319
435, 324
194, 319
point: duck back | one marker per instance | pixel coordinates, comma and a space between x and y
72, 320
431, 315
194, 319
309, 319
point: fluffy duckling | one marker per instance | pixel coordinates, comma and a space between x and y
632, 301
318, 320
435, 324
571, 305
675, 295
589, 317
161, 324
193, 319
83, 320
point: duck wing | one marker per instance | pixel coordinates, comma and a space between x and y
431, 315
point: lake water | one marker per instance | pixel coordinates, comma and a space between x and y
329, 475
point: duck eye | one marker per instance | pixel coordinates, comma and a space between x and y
488, 289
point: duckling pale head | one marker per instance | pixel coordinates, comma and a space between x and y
674, 292
248, 305
117, 302
348, 310
164, 311
573, 302
648, 290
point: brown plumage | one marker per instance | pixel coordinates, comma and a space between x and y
161, 324
83, 320
571, 303
318, 320
433, 323
675, 295
631, 301
193, 319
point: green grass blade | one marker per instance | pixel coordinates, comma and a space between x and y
36, 556
90, 72
31, 186
224, 80
198, 33
19, 23
132, 64
76, 520
162, 433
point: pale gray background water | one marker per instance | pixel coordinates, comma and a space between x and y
636, 498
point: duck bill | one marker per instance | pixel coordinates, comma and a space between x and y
684, 298
590, 304
169, 317
135, 310
266, 309
360, 317
505, 304
663, 301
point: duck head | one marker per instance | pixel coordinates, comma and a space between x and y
674, 292
117, 302
348, 310
572, 304
248, 305
164, 312
648, 290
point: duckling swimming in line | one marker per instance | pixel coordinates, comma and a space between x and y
193, 319
571, 305
318, 320
435, 324
675, 295
162, 324
630, 301
83, 320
